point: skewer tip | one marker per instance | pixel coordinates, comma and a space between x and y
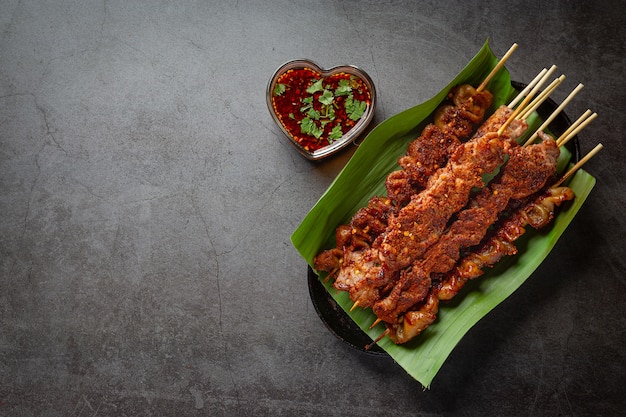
375, 341
579, 164
497, 68
378, 320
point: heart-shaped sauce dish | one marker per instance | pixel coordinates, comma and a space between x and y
320, 111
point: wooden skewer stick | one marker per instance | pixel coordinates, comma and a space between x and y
543, 96
579, 164
575, 128
555, 113
537, 86
526, 90
526, 100
513, 115
574, 125
385, 333
497, 68
378, 320
355, 305
331, 274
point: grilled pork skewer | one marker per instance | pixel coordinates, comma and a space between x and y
538, 213
364, 274
526, 171
421, 222
401, 293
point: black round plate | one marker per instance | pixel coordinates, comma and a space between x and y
336, 319
340, 323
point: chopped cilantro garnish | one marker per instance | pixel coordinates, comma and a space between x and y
330, 113
315, 87
279, 89
309, 127
344, 88
336, 133
313, 114
326, 98
355, 108
308, 104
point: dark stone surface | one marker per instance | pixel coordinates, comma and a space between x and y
147, 202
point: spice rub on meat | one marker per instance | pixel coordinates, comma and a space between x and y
364, 227
453, 122
420, 223
526, 172
424, 157
537, 211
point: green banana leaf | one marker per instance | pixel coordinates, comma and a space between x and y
364, 176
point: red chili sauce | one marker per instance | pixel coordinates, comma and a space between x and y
317, 110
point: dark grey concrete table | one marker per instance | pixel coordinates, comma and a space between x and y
147, 201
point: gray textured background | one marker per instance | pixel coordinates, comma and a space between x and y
147, 201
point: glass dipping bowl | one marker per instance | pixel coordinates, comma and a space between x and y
347, 137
